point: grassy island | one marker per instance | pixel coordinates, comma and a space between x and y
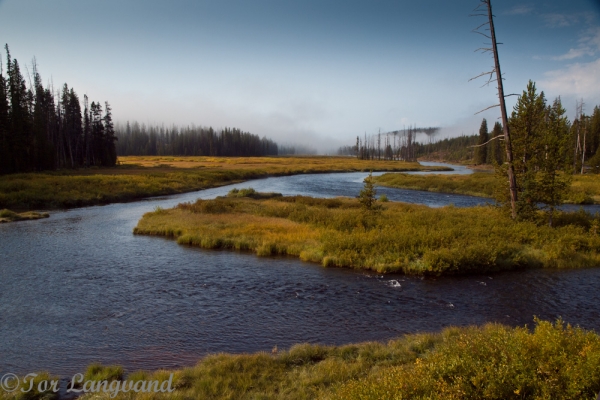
138, 177
406, 238
585, 189
552, 361
11, 216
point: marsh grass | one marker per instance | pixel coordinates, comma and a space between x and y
11, 216
303, 372
404, 238
550, 361
139, 177
585, 189
251, 193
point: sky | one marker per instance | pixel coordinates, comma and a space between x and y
310, 72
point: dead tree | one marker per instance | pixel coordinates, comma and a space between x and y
480, 11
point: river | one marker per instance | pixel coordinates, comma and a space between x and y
79, 287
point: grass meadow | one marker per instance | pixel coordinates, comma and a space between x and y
138, 177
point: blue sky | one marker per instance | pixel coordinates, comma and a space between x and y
312, 72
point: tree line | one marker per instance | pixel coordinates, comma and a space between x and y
139, 139
582, 136
45, 129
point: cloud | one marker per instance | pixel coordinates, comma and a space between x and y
577, 80
589, 45
556, 20
520, 10
574, 53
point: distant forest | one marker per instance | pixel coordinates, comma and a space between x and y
44, 129
139, 139
583, 144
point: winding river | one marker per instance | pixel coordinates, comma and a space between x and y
79, 287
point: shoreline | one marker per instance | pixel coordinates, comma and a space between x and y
503, 359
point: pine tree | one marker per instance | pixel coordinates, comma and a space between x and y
541, 140
552, 185
19, 136
366, 197
481, 149
495, 153
5, 154
109, 137
526, 126
97, 134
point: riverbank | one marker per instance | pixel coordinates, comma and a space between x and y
406, 238
585, 189
141, 177
491, 361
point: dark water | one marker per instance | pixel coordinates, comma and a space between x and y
79, 287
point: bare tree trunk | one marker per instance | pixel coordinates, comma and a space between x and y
512, 182
583, 151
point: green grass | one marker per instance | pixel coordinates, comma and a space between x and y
139, 177
552, 361
98, 372
404, 238
585, 189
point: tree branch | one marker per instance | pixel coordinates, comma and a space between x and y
483, 34
482, 74
495, 105
483, 144
485, 23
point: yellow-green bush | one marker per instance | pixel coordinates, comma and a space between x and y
555, 361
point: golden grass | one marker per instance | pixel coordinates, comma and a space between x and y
276, 165
585, 189
139, 177
402, 238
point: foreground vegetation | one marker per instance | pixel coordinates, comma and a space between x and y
585, 189
139, 177
11, 216
554, 361
406, 238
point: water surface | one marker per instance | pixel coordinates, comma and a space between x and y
79, 287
